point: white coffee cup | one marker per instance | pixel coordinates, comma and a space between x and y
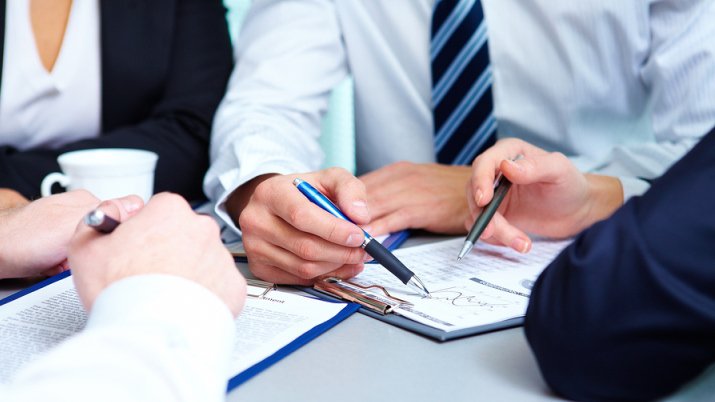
107, 173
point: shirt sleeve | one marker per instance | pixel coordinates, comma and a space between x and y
680, 73
289, 57
148, 338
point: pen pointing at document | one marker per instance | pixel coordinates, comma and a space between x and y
501, 188
371, 246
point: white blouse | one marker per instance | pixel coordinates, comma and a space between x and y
49, 109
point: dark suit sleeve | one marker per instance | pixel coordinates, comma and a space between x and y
627, 312
178, 124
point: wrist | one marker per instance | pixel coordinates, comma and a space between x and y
241, 196
605, 196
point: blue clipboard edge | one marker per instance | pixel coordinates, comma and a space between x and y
245, 375
38, 285
425, 330
313, 333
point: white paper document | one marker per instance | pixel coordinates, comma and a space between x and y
490, 284
40, 320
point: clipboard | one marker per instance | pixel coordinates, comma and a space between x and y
376, 302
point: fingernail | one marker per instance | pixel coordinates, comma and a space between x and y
360, 208
367, 228
515, 165
480, 195
130, 203
367, 258
521, 245
355, 240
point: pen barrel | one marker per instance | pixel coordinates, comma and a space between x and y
107, 225
317, 198
483, 220
389, 261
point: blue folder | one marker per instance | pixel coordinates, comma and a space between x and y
245, 375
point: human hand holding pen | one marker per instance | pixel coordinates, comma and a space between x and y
549, 196
36, 236
166, 237
290, 240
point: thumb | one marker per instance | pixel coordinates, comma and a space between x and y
123, 208
545, 168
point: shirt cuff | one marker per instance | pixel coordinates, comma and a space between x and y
633, 187
230, 181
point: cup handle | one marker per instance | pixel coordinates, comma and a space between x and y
50, 180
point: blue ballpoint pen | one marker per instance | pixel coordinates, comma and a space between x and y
374, 248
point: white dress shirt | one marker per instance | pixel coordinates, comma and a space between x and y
148, 338
623, 88
41, 109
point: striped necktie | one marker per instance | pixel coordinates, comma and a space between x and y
464, 124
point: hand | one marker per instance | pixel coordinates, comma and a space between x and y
288, 239
420, 196
36, 236
165, 237
11, 199
549, 196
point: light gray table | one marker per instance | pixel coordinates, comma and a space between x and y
363, 359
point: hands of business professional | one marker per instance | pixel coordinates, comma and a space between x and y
420, 196
549, 196
10, 198
289, 239
36, 236
141, 245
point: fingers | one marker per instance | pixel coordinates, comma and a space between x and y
348, 192
281, 199
500, 232
485, 167
395, 221
128, 206
277, 275
277, 246
538, 168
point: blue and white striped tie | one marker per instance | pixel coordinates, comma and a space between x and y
464, 124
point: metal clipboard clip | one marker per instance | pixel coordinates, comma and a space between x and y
258, 289
380, 303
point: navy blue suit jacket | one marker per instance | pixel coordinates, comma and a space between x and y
164, 65
627, 312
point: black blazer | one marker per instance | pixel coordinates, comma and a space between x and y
164, 65
627, 312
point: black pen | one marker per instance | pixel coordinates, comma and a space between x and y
100, 221
371, 246
501, 187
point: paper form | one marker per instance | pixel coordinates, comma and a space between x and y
40, 320
489, 285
